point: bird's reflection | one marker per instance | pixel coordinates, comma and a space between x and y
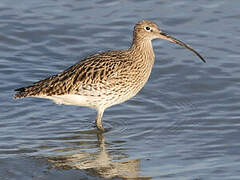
100, 163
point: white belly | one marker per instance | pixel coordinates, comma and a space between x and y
77, 100
96, 102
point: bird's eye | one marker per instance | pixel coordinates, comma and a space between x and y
148, 28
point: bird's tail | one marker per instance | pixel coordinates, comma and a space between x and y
26, 91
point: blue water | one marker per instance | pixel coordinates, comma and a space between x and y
184, 124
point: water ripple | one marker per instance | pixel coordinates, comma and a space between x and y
184, 124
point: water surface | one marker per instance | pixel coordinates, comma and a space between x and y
184, 124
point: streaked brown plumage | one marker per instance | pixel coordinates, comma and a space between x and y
104, 79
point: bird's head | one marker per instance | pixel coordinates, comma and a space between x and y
148, 30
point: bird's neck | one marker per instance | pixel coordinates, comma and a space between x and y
143, 47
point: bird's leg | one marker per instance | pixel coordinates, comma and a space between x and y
99, 120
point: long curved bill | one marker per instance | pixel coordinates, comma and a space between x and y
172, 39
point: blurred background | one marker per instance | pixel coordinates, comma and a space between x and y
184, 124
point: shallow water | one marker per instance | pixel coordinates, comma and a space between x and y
184, 124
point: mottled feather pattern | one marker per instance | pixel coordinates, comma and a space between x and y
108, 69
